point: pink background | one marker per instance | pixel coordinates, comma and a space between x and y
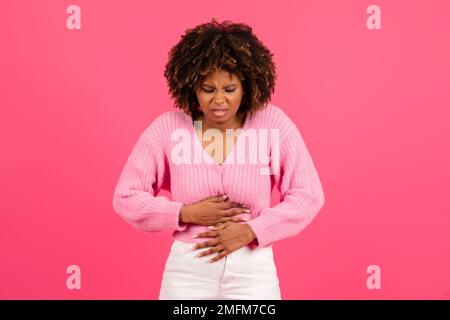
373, 107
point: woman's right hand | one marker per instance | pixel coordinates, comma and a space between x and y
211, 211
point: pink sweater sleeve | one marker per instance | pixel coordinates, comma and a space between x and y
301, 194
135, 197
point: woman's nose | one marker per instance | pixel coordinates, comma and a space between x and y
218, 98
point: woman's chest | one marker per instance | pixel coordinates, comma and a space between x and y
195, 172
245, 184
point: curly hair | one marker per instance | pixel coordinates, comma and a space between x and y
228, 46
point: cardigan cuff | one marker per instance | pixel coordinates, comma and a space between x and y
172, 208
257, 225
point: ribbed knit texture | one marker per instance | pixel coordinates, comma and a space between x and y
150, 167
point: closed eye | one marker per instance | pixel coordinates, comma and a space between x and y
227, 90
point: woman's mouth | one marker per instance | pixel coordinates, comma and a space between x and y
219, 112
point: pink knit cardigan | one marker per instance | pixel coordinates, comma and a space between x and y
169, 154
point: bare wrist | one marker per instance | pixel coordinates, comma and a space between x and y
184, 214
252, 235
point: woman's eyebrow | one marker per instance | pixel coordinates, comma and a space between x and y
228, 85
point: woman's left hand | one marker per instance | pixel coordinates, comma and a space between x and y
228, 237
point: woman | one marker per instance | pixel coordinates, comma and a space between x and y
221, 77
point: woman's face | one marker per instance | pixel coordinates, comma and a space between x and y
219, 96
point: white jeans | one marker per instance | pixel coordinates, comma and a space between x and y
245, 274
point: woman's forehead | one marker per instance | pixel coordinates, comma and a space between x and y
221, 76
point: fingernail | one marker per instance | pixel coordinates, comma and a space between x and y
225, 196
211, 227
247, 210
246, 219
193, 248
194, 236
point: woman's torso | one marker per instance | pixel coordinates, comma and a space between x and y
194, 175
